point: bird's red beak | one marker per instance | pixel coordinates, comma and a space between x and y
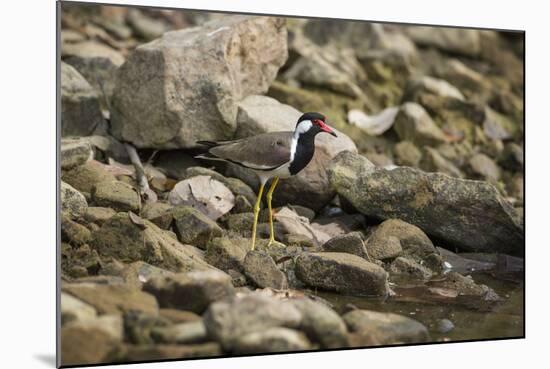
326, 128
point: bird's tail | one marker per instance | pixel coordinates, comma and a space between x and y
208, 143
208, 156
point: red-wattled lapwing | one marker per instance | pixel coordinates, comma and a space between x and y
271, 155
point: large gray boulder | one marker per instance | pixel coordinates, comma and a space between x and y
185, 86
468, 214
80, 112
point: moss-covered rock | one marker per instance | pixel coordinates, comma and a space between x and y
468, 214
262, 270
81, 261
240, 223
130, 238
193, 227
342, 272
227, 253
381, 246
72, 232
409, 269
413, 241
85, 177
98, 214
158, 213
74, 152
73, 203
407, 154
116, 195
351, 243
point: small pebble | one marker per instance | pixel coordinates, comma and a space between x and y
445, 326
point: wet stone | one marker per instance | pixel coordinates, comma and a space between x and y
375, 328
406, 268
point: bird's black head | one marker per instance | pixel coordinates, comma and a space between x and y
313, 123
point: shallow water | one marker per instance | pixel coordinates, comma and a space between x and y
506, 320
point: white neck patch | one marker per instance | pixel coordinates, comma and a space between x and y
302, 127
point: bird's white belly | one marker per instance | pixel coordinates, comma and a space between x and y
281, 172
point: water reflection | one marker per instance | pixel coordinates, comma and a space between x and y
505, 320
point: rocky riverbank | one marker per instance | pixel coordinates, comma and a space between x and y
422, 187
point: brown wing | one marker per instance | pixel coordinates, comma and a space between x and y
262, 152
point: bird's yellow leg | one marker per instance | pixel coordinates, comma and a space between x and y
256, 212
268, 196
